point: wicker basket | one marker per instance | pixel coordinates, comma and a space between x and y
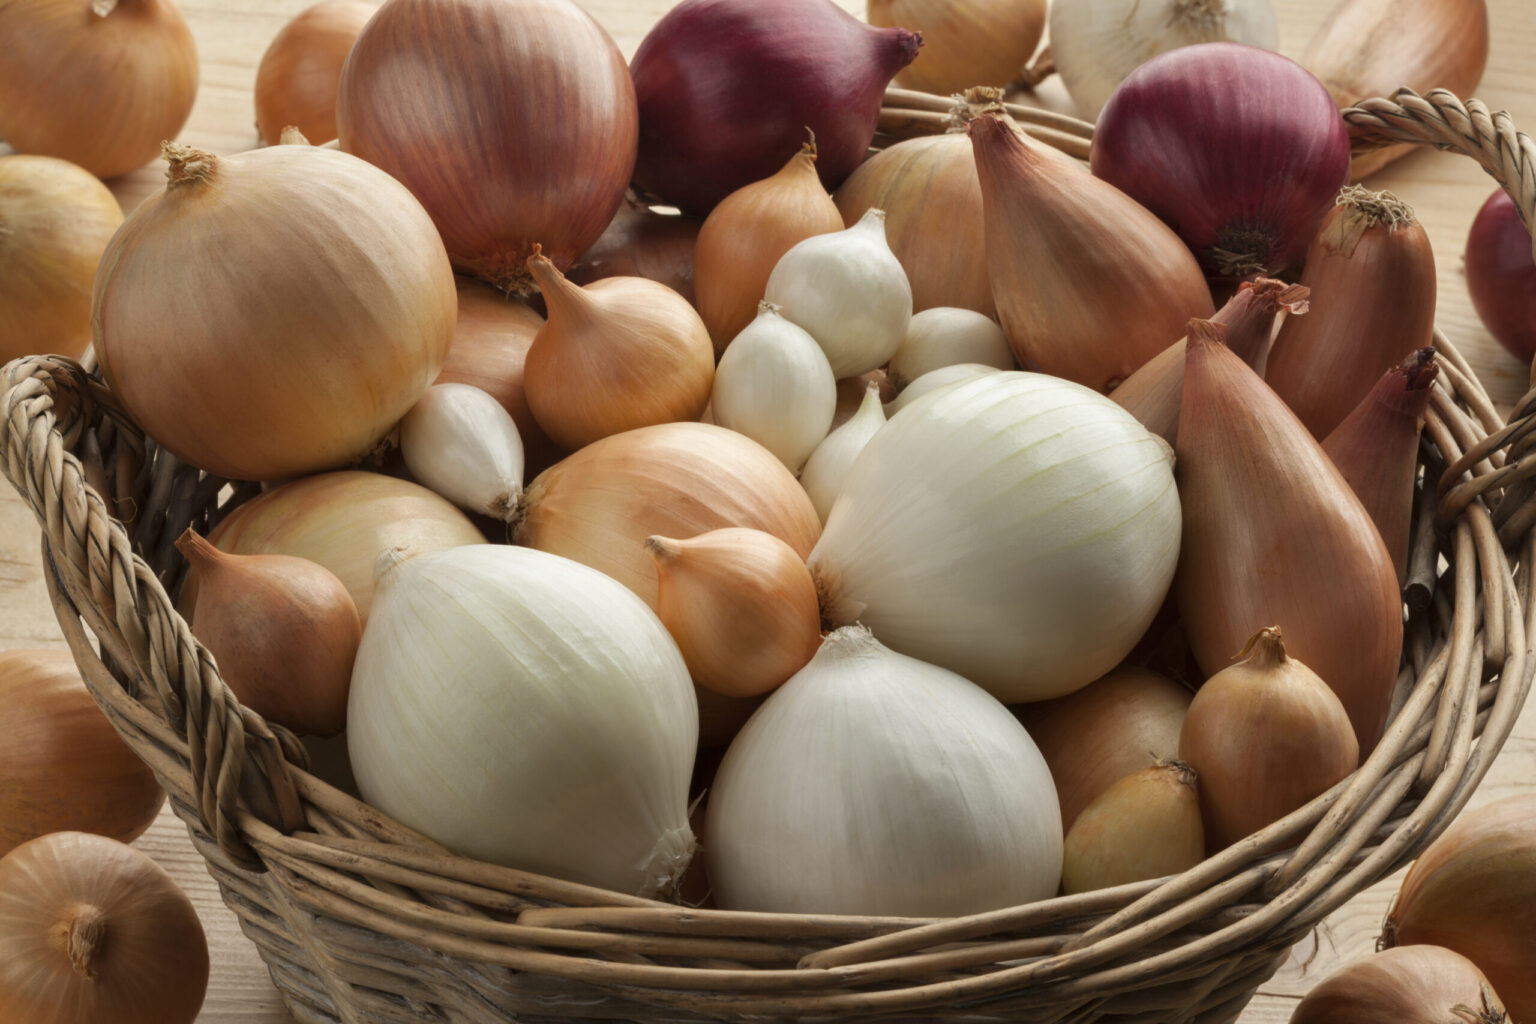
361, 920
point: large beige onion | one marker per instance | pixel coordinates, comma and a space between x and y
273, 313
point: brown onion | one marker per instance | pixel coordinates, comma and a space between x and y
273, 313
62, 764
640, 241
675, 480
513, 121
55, 221
1474, 891
1147, 825
934, 221
1408, 985
299, 74
100, 83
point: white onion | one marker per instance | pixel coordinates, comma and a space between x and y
872, 783
933, 380
523, 709
849, 292
1016, 528
1096, 43
774, 385
945, 335
463, 444
828, 465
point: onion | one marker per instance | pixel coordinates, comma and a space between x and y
1408, 985
100, 83
94, 932
824, 472
872, 783
1240, 150
727, 89
672, 480
1117, 725
1095, 44
298, 76
1015, 528
62, 764
944, 336
585, 780
513, 121
642, 242
284, 631
1472, 891
344, 521
774, 385
273, 313
460, 442
1501, 276
55, 221
1147, 825
933, 380
965, 42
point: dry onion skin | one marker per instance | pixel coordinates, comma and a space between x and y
62, 764
55, 221
100, 83
299, 75
94, 932
1407, 985
273, 313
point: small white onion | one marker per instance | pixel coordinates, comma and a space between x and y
774, 385
523, 709
1016, 528
873, 783
1096, 43
849, 292
463, 444
945, 335
933, 380
824, 471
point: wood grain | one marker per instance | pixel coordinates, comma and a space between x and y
1444, 190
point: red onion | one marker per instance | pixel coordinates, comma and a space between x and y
1239, 150
1501, 275
727, 89
512, 121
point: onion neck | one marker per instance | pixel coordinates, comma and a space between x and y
895, 48
188, 166
562, 298
1488, 1013
1182, 771
1266, 650
200, 552
102, 8
667, 863
837, 611
1360, 210
85, 931
1204, 17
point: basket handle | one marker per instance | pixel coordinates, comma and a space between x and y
48, 401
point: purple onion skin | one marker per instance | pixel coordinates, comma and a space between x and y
1240, 150
727, 89
1501, 275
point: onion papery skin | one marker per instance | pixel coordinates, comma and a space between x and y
559, 737
960, 535
727, 88
1501, 275
522, 132
934, 222
1406, 985
1473, 891
872, 783
1241, 151
966, 43
100, 91
55, 221
300, 72
677, 480
273, 313
344, 521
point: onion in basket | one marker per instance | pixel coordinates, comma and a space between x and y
872, 783
526, 710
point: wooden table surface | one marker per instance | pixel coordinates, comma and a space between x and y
1445, 190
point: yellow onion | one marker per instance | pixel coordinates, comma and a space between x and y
273, 313
1147, 825
740, 604
965, 42
100, 83
299, 74
513, 121
62, 764
1406, 985
344, 521
621, 353
55, 221
931, 196
673, 480
746, 234
1472, 891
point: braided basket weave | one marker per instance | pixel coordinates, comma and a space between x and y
362, 920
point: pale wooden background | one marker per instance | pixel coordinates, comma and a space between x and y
1445, 191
